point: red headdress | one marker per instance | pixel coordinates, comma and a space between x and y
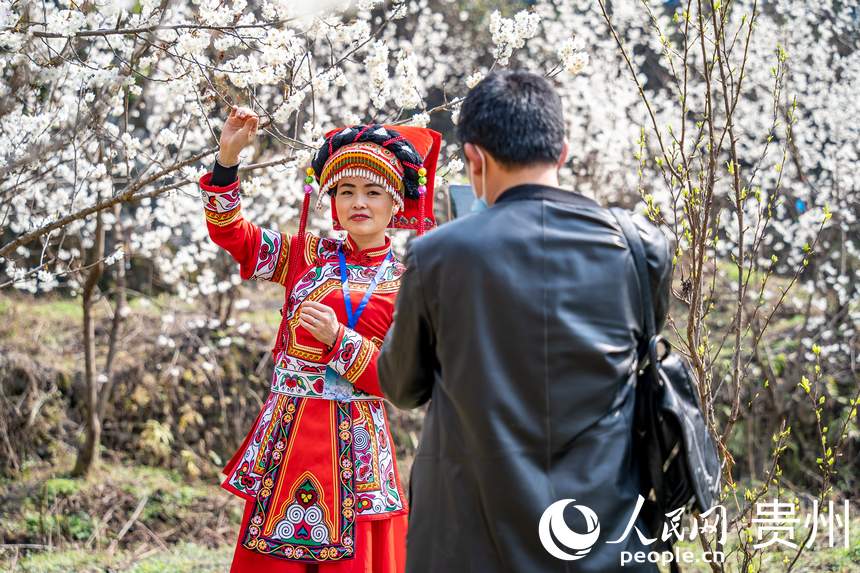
400, 158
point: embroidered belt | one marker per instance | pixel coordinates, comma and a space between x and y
327, 385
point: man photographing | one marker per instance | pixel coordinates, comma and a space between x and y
520, 323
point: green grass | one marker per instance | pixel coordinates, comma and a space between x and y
187, 558
181, 558
47, 508
60, 487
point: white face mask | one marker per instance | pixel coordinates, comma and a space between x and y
480, 203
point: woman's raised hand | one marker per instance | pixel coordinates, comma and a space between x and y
239, 131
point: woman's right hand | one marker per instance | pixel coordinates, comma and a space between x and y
239, 132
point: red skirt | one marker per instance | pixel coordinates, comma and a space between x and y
380, 547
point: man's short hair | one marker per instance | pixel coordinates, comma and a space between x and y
515, 115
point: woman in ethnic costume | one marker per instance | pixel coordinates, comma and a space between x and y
318, 469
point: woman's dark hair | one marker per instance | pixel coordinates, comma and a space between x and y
374, 133
516, 116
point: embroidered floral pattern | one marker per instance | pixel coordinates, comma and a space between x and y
296, 520
246, 478
221, 202
304, 521
375, 480
353, 356
267, 259
294, 383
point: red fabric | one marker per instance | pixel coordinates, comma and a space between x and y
240, 238
380, 548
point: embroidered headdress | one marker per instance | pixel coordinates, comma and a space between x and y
401, 159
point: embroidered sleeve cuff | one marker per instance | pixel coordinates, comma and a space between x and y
331, 351
221, 204
351, 355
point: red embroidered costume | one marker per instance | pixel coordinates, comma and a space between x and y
318, 469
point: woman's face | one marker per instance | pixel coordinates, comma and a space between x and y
363, 207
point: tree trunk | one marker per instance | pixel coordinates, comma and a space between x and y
120, 306
88, 455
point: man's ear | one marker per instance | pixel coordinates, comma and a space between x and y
474, 159
562, 158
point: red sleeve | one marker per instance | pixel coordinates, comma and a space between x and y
261, 253
354, 357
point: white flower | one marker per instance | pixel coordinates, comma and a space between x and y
192, 43
407, 93
454, 166
115, 256
45, 276
377, 68
420, 119
163, 340
283, 113
66, 22
573, 59
474, 79
359, 32
167, 137
111, 129
132, 144
511, 33
455, 115
351, 118
7, 16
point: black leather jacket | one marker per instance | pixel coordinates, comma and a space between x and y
519, 324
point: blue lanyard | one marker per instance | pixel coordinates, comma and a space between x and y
353, 316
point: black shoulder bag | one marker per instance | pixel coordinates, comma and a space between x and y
678, 459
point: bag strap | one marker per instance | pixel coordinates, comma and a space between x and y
634, 241
653, 455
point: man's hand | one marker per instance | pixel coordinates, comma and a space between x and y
239, 131
320, 320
